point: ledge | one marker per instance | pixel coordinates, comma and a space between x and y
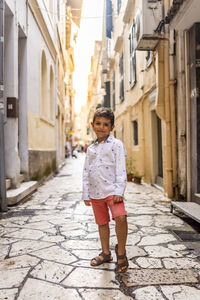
16, 195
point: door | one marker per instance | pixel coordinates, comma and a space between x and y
159, 178
194, 36
157, 157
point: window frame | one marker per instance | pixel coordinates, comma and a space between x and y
113, 92
149, 58
132, 55
121, 78
135, 132
119, 4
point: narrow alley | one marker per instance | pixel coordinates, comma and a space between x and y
47, 243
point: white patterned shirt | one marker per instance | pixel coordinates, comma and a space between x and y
104, 172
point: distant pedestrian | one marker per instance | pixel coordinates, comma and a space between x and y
67, 149
75, 152
104, 182
85, 148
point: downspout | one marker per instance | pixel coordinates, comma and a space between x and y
188, 134
168, 123
172, 83
165, 109
3, 199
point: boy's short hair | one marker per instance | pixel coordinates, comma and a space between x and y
104, 112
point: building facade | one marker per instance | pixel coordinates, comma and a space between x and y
36, 75
137, 67
184, 21
153, 71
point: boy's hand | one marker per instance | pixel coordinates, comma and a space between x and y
117, 199
87, 202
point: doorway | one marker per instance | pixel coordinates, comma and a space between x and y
157, 155
22, 98
194, 57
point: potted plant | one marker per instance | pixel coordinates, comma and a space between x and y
137, 177
130, 169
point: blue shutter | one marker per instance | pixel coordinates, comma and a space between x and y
118, 5
108, 18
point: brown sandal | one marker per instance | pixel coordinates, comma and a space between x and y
123, 264
106, 258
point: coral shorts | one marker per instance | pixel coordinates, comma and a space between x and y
101, 209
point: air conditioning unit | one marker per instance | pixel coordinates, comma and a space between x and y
147, 19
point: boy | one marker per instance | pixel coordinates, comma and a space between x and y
104, 182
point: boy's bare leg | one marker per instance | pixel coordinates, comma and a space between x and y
104, 233
121, 229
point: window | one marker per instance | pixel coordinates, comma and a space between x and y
149, 58
119, 2
58, 9
135, 132
121, 133
44, 96
51, 106
121, 79
132, 39
113, 91
51, 8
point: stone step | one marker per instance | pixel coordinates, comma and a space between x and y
8, 181
21, 178
25, 189
8, 184
190, 209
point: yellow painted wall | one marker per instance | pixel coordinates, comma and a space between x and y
41, 134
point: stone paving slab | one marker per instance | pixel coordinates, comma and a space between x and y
26, 234
12, 278
23, 261
159, 277
27, 246
180, 263
82, 244
8, 294
55, 254
51, 272
134, 251
36, 289
149, 263
181, 292
96, 278
160, 251
157, 239
99, 294
148, 293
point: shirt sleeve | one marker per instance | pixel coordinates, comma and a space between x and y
86, 194
121, 177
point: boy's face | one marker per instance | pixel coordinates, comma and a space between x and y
102, 127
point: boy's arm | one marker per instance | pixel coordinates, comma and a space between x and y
120, 175
86, 194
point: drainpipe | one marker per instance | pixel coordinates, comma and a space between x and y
168, 123
3, 200
172, 83
188, 121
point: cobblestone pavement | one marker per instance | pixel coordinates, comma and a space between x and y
47, 243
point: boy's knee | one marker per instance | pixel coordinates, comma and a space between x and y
103, 225
120, 219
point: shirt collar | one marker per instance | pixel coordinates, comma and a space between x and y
108, 140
